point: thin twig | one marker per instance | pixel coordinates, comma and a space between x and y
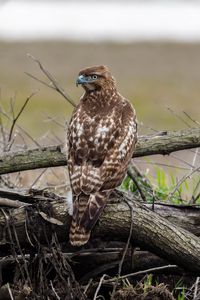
18, 115
38, 177
29, 136
39, 80
196, 288
125, 250
189, 117
131, 175
194, 158
177, 116
53, 119
2, 129
87, 286
153, 162
182, 160
10, 292
141, 272
53, 289
11, 203
99, 286
182, 180
196, 197
53, 82
26, 230
22, 129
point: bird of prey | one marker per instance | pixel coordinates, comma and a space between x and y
102, 135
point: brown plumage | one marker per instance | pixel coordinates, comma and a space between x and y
101, 138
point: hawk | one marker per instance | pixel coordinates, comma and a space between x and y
102, 135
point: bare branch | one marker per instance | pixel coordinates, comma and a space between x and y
191, 119
151, 270
177, 116
131, 174
11, 203
182, 180
99, 286
18, 115
52, 156
176, 245
125, 251
53, 82
22, 129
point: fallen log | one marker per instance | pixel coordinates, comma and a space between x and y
151, 231
163, 143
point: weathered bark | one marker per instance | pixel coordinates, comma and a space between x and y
151, 231
185, 216
163, 143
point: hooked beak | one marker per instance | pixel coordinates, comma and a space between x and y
81, 79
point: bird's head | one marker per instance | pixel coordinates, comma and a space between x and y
95, 78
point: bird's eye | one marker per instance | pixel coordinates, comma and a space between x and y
94, 76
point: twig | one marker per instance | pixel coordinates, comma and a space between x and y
196, 197
53, 289
189, 117
181, 119
53, 82
99, 286
153, 162
10, 292
2, 129
12, 104
53, 119
131, 175
22, 129
182, 160
194, 158
141, 272
196, 288
25, 266
38, 177
18, 115
182, 180
148, 127
125, 250
174, 141
29, 136
11, 203
87, 286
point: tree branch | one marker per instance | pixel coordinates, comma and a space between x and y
160, 235
52, 156
53, 82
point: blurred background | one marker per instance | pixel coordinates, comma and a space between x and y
152, 48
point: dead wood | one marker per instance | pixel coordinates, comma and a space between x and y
159, 232
163, 143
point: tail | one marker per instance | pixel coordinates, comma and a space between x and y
87, 209
78, 235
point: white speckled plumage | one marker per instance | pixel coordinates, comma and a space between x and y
101, 138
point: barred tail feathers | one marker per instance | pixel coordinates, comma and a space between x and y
87, 210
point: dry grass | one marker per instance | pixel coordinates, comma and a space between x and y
151, 75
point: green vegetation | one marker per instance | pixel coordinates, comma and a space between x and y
165, 187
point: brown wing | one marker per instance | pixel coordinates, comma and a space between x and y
119, 155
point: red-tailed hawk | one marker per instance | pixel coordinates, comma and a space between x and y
101, 138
